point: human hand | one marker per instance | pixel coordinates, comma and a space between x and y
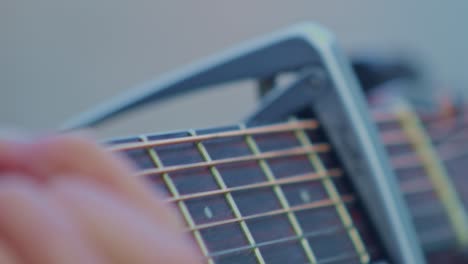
63, 199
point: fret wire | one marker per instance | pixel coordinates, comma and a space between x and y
335, 196
283, 127
295, 179
314, 205
258, 156
232, 203
182, 206
328, 231
281, 197
436, 172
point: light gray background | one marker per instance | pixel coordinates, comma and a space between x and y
58, 57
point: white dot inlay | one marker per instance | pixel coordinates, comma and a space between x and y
208, 212
304, 194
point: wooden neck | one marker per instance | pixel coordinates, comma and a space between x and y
272, 194
427, 153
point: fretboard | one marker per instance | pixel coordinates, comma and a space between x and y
430, 173
269, 194
449, 134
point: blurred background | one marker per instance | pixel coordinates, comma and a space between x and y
60, 57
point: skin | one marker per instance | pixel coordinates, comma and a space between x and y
64, 199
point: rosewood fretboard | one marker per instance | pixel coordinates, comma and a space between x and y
270, 194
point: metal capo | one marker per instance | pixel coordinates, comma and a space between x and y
326, 84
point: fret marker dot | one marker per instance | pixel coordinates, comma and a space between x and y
305, 197
208, 212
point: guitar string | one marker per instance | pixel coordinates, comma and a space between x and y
406, 161
329, 230
313, 205
295, 151
277, 128
335, 173
306, 235
243, 158
381, 117
442, 133
409, 160
440, 126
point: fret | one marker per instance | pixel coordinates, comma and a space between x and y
230, 199
181, 204
362, 223
436, 173
282, 199
335, 196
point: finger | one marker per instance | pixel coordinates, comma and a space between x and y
11, 155
37, 229
74, 155
7, 256
123, 232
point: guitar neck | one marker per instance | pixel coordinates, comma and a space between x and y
269, 194
427, 154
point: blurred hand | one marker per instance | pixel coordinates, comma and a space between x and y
63, 199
